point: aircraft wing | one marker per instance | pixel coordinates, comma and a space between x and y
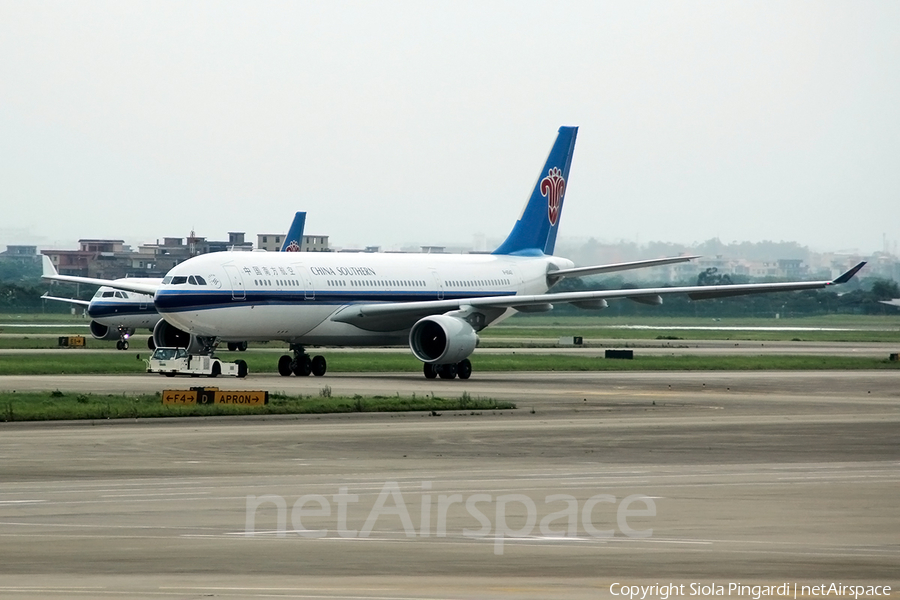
555, 276
894, 302
140, 287
399, 314
69, 300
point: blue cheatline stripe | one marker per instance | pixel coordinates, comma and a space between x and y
108, 309
170, 302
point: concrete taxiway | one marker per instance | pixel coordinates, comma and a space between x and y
626, 478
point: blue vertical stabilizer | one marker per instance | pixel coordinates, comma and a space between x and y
535, 231
294, 239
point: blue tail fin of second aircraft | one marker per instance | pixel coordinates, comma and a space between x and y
294, 239
535, 231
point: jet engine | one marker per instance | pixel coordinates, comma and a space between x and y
442, 339
167, 335
105, 332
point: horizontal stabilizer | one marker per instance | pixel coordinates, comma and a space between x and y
555, 276
69, 300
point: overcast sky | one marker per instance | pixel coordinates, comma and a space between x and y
427, 122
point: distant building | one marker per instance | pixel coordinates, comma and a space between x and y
271, 242
112, 259
94, 258
25, 254
792, 268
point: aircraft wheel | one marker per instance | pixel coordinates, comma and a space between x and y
284, 366
242, 346
232, 346
303, 366
125, 345
150, 343
242, 368
319, 366
430, 370
119, 345
464, 369
447, 371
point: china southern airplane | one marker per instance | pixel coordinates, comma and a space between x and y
435, 303
116, 314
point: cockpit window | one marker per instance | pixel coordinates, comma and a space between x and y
200, 280
167, 280
120, 295
109, 294
192, 280
179, 280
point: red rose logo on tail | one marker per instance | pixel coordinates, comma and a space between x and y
293, 247
553, 186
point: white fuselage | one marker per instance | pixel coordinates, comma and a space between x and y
259, 296
130, 310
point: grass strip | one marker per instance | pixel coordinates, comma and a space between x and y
372, 362
58, 405
509, 336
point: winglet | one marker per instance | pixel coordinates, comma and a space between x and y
48, 269
849, 274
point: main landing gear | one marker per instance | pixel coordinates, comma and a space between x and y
462, 369
301, 364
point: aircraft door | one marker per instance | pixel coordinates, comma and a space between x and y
309, 293
237, 282
438, 283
